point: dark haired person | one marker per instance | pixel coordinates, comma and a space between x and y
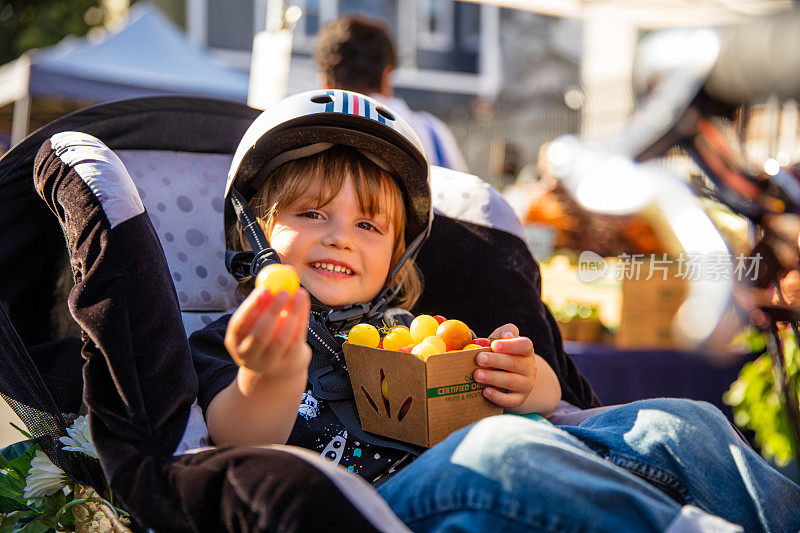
357, 54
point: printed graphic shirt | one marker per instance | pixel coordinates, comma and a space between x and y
318, 428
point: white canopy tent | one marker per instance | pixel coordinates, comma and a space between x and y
147, 56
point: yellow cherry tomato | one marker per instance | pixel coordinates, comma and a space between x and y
423, 326
425, 350
277, 277
385, 389
364, 335
473, 346
437, 342
397, 338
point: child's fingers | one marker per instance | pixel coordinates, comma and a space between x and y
245, 317
506, 331
295, 354
301, 331
518, 364
503, 380
300, 352
263, 331
285, 334
516, 346
503, 399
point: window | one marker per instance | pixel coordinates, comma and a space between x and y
384, 9
230, 24
469, 26
318, 13
310, 22
444, 45
435, 24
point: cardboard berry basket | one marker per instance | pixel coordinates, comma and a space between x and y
426, 400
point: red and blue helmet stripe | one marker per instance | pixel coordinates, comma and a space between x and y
352, 104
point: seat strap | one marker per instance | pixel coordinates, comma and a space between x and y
262, 254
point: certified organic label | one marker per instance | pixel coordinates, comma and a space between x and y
451, 390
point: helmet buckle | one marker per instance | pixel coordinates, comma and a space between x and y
264, 257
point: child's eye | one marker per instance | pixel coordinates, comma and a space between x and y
311, 214
368, 226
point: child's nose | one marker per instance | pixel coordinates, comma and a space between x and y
339, 236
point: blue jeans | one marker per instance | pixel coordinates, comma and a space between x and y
629, 469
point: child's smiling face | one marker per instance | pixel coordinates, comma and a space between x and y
342, 254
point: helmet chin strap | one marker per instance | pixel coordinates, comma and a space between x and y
243, 264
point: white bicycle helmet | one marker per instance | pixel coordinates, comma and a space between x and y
307, 123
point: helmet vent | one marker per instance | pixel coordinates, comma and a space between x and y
385, 113
322, 99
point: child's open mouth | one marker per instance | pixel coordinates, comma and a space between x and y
331, 269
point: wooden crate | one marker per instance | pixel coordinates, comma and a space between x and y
648, 308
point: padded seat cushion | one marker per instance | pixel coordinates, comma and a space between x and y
182, 193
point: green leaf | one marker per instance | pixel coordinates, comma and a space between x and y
11, 486
22, 464
8, 523
8, 505
13, 451
28, 516
757, 404
33, 527
53, 503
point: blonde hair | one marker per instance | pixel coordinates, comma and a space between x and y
320, 177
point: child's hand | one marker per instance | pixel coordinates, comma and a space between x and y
510, 370
267, 334
266, 337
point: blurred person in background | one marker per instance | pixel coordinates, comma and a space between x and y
357, 53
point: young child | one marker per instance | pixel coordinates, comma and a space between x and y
338, 215
650, 465
340, 191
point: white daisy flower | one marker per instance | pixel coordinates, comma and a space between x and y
80, 438
44, 478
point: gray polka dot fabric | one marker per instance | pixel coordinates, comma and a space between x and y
194, 320
183, 195
469, 198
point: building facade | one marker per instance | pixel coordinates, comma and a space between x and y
496, 76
